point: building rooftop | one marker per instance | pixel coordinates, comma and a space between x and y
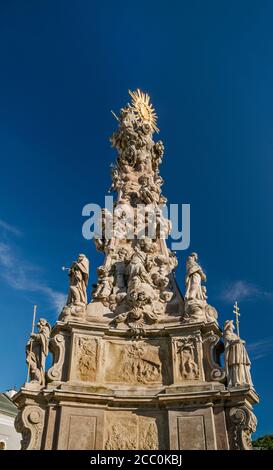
7, 406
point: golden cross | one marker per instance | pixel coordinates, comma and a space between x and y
237, 314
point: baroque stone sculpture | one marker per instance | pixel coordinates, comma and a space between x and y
139, 367
196, 307
36, 353
78, 280
237, 362
194, 277
135, 281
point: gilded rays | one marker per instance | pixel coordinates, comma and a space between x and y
143, 108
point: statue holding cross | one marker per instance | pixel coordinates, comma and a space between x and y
237, 314
237, 362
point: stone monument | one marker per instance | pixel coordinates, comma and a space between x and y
139, 366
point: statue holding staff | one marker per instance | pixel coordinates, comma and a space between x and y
37, 352
237, 362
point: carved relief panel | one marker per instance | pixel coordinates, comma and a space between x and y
121, 432
85, 358
131, 431
135, 362
188, 358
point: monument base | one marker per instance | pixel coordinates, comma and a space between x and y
164, 391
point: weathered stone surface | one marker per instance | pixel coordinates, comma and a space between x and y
193, 429
29, 422
130, 431
133, 363
86, 358
80, 428
237, 361
188, 358
138, 367
36, 354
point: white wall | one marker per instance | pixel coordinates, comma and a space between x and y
8, 433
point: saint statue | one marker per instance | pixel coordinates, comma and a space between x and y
237, 362
136, 270
105, 283
37, 351
194, 277
190, 369
78, 274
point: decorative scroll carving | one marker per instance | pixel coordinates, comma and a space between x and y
212, 351
87, 358
57, 347
243, 423
29, 422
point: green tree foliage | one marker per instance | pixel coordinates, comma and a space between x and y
265, 442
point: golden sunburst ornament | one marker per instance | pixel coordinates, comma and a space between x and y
143, 108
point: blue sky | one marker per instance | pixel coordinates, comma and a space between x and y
208, 68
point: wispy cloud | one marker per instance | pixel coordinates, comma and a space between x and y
261, 348
21, 275
57, 299
242, 290
10, 228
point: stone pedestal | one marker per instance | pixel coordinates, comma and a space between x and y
164, 391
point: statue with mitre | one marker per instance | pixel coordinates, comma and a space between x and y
194, 278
